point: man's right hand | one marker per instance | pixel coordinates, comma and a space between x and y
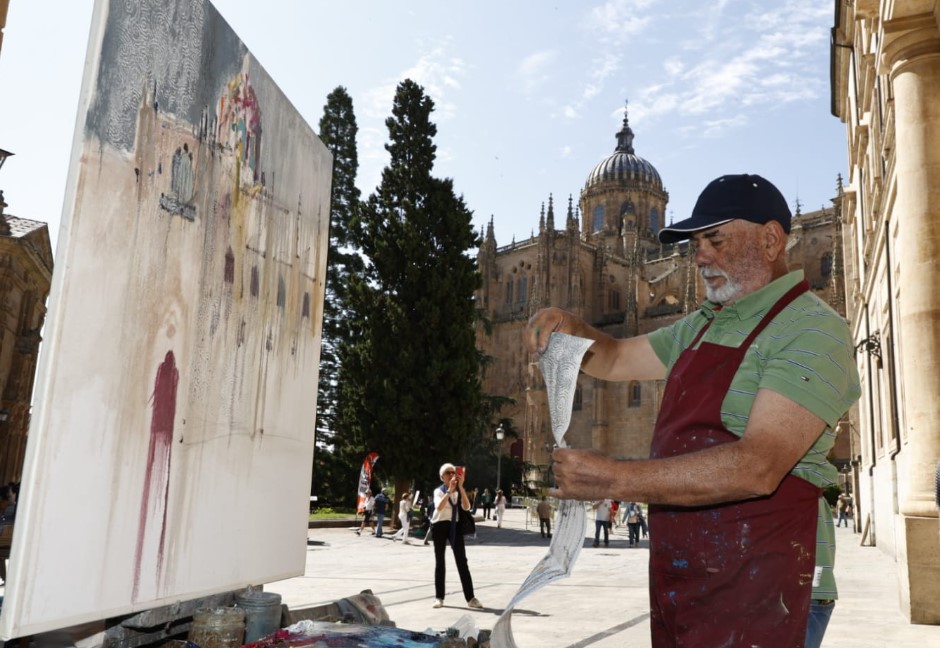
543, 324
608, 358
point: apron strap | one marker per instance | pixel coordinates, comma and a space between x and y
775, 310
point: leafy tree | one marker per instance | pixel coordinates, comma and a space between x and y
335, 472
410, 383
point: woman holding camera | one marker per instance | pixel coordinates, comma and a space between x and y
447, 498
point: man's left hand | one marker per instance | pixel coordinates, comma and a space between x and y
583, 474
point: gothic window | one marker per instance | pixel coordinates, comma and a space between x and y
509, 285
613, 300
577, 398
281, 293
825, 265
25, 324
654, 219
635, 394
598, 218
523, 288
229, 275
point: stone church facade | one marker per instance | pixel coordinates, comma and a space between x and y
25, 280
886, 90
601, 260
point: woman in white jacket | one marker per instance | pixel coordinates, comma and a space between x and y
500, 508
404, 516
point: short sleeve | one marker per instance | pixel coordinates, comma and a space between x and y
815, 367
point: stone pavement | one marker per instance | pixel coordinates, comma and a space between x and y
602, 605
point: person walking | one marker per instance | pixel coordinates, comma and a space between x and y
404, 517
544, 511
756, 380
601, 521
845, 509
381, 506
643, 526
500, 505
447, 498
633, 523
487, 503
368, 506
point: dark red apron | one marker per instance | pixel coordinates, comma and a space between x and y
735, 574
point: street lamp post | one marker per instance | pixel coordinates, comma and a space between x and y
500, 433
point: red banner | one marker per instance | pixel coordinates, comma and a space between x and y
365, 478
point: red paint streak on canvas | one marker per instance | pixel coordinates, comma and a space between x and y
156, 477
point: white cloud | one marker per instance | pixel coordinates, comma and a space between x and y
673, 66
618, 18
437, 71
711, 20
533, 69
753, 60
715, 128
600, 70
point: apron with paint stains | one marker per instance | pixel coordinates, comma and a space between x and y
735, 574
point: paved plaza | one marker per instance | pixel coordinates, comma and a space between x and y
602, 605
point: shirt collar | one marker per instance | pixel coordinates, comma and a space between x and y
758, 301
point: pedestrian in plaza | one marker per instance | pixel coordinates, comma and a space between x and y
544, 510
368, 506
500, 506
404, 517
487, 502
845, 508
601, 521
381, 506
756, 380
447, 498
633, 523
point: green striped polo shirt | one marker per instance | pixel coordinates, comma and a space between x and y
804, 353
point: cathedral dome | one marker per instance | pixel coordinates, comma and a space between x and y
624, 164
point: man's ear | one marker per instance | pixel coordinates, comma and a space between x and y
774, 240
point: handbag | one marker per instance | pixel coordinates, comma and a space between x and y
465, 522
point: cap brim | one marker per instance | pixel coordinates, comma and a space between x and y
685, 229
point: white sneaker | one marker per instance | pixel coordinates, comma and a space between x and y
474, 603
438, 603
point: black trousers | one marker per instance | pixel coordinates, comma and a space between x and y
545, 526
440, 534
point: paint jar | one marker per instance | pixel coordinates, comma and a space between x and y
262, 613
218, 627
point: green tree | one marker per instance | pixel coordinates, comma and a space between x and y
412, 378
335, 474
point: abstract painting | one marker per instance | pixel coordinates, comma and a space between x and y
172, 436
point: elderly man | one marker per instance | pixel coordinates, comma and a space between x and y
756, 379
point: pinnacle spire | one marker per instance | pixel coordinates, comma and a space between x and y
625, 134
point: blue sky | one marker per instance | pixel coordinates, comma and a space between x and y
528, 93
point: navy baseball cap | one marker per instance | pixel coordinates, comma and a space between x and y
745, 197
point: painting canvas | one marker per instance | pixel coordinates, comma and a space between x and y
172, 437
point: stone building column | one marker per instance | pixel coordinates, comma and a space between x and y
913, 61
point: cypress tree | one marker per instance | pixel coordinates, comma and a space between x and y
412, 380
333, 466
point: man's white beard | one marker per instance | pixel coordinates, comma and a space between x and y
728, 290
